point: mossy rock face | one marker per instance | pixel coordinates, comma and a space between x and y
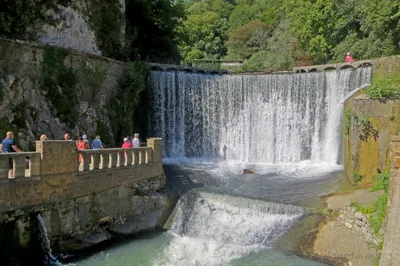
54, 90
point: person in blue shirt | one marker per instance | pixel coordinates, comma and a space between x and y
97, 144
8, 145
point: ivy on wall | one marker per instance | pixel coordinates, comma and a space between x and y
59, 82
124, 106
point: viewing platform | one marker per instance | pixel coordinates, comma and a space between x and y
57, 171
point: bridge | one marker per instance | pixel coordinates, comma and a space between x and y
380, 64
53, 172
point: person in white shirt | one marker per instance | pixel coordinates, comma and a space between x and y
136, 141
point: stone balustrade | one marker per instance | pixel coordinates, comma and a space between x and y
24, 164
57, 172
114, 158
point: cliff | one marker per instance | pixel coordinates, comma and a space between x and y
48, 90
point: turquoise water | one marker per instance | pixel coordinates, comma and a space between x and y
147, 252
232, 219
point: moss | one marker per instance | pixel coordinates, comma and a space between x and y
124, 106
59, 82
356, 178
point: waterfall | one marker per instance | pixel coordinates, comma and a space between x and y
213, 229
272, 118
48, 258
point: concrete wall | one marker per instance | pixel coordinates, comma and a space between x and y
366, 140
391, 246
370, 123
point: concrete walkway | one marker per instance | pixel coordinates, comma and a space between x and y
391, 246
362, 196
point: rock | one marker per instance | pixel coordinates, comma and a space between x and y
348, 225
359, 216
248, 171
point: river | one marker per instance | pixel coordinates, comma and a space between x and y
284, 127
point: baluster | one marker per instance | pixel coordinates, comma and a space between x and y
121, 157
129, 157
135, 152
19, 166
105, 159
35, 163
95, 160
149, 155
3, 167
142, 157
113, 158
86, 160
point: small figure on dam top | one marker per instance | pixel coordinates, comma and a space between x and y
349, 58
6, 146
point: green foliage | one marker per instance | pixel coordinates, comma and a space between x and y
59, 84
382, 182
377, 210
365, 128
19, 18
348, 114
356, 178
384, 87
378, 217
107, 21
103, 131
248, 39
127, 100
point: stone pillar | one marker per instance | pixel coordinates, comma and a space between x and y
58, 156
156, 145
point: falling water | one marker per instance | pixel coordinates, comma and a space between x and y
212, 229
48, 258
275, 118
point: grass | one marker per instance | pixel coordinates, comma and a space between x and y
377, 210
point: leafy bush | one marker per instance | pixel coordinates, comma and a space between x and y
384, 87
382, 182
356, 178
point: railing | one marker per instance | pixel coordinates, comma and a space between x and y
19, 165
113, 158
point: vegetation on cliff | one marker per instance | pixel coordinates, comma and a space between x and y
266, 34
384, 87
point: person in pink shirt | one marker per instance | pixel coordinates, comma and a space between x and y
127, 144
349, 58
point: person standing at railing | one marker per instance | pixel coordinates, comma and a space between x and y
80, 145
136, 141
43, 137
8, 145
97, 144
349, 58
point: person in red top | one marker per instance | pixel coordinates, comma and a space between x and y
80, 145
127, 144
349, 58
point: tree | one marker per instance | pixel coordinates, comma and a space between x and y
248, 39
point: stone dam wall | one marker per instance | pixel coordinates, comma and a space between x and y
111, 192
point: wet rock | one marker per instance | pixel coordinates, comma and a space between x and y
248, 171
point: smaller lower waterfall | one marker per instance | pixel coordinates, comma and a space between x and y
213, 229
48, 258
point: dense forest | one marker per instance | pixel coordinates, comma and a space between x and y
265, 34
